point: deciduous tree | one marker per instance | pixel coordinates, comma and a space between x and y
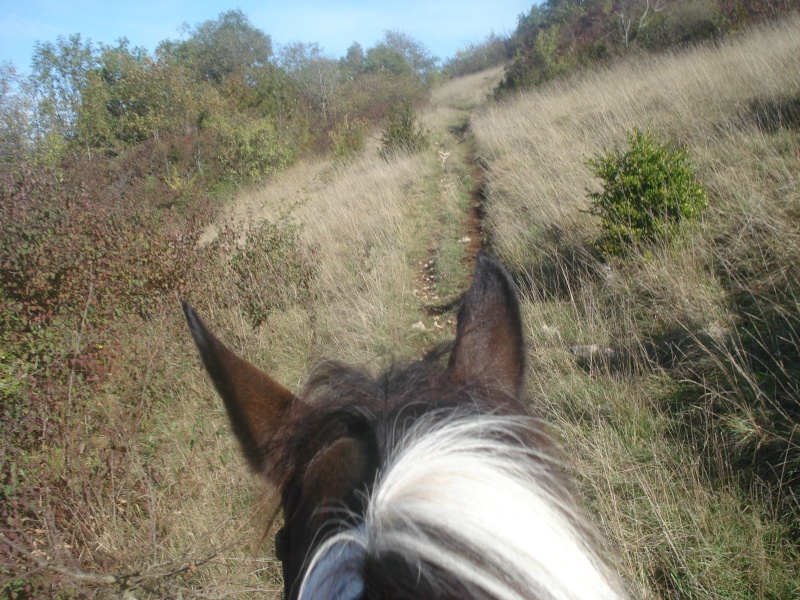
59, 74
219, 48
14, 116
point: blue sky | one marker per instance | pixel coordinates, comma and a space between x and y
443, 26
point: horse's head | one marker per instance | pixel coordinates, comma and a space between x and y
389, 485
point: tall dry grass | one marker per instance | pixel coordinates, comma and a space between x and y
454, 102
707, 99
671, 375
172, 510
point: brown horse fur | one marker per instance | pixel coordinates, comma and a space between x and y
326, 449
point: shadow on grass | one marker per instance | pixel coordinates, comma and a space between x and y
736, 394
737, 401
559, 269
773, 114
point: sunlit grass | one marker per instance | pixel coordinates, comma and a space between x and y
669, 434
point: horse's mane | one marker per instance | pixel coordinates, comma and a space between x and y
467, 500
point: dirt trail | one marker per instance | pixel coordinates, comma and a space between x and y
470, 232
474, 224
416, 220
461, 197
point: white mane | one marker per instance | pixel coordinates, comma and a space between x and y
469, 497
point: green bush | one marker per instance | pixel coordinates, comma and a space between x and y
349, 137
252, 148
649, 190
404, 132
272, 271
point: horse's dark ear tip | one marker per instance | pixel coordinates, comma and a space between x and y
484, 260
196, 325
487, 265
190, 314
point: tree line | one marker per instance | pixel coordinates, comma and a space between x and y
558, 37
221, 100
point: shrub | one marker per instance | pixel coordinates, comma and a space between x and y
272, 270
74, 264
404, 132
372, 96
83, 265
252, 148
348, 138
61, 238
649, 190
547, 57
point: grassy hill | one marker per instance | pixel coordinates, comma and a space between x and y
683, 434
670, 375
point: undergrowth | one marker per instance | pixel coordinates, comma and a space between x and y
271, 268
403, 131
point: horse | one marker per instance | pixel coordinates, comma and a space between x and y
430, 480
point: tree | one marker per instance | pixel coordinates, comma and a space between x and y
415, 53
60, 75
635, 15
560, 12
14, 116
382, 58
353, 61
218, 49
534, 19
318, 75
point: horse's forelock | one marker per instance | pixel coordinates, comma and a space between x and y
473, 506
349, 424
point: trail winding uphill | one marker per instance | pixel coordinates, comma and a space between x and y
393, 240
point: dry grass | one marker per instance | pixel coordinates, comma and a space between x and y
368, 224
456, 100
683, 441
538, 142
173, 501
172, 507
359, 222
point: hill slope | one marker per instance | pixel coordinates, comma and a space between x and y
133, 484
672, 374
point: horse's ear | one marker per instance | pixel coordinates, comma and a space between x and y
257, 405
489, 347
